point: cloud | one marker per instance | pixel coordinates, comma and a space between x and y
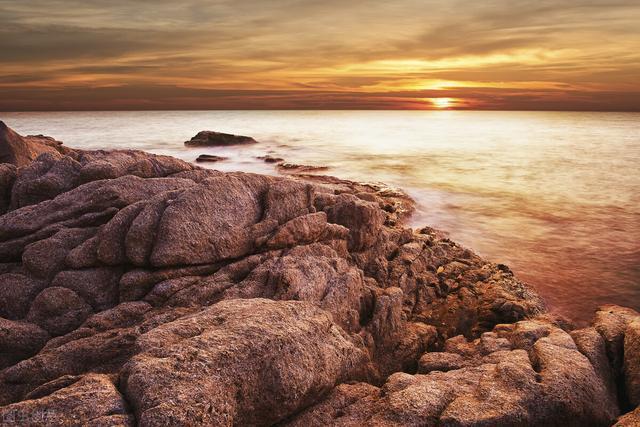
330, 50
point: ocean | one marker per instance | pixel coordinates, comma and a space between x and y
554, 195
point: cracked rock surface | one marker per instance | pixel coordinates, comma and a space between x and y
138, 289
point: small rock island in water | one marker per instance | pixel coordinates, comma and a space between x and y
207, 138
138, 289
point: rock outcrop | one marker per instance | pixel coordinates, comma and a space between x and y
528, 373
20, 151
142, 290
207, 138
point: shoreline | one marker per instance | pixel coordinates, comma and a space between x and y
115, 262
573, 242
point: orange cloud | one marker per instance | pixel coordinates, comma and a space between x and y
84, 54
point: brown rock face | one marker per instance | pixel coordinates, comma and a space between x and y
87, 400
620, 328
207, 138
528, 373
632, 361
632, 419
141, 290
20, 151
19, 340
246, 373
58, 310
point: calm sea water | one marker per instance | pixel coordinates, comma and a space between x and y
556, 196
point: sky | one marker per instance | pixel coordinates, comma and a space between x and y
309, 54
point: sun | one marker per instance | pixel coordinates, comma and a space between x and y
441, 103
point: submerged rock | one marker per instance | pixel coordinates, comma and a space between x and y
210, 158
207, 138
295, 168
139, 289
270, 159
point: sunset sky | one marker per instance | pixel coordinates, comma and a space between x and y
294, 54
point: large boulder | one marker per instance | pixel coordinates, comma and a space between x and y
239, 362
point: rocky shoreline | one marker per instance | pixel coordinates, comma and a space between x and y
138, 289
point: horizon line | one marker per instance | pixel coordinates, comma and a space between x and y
326, 109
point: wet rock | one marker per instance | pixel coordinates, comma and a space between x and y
295, 168
270, 159
210, 158
218, 139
